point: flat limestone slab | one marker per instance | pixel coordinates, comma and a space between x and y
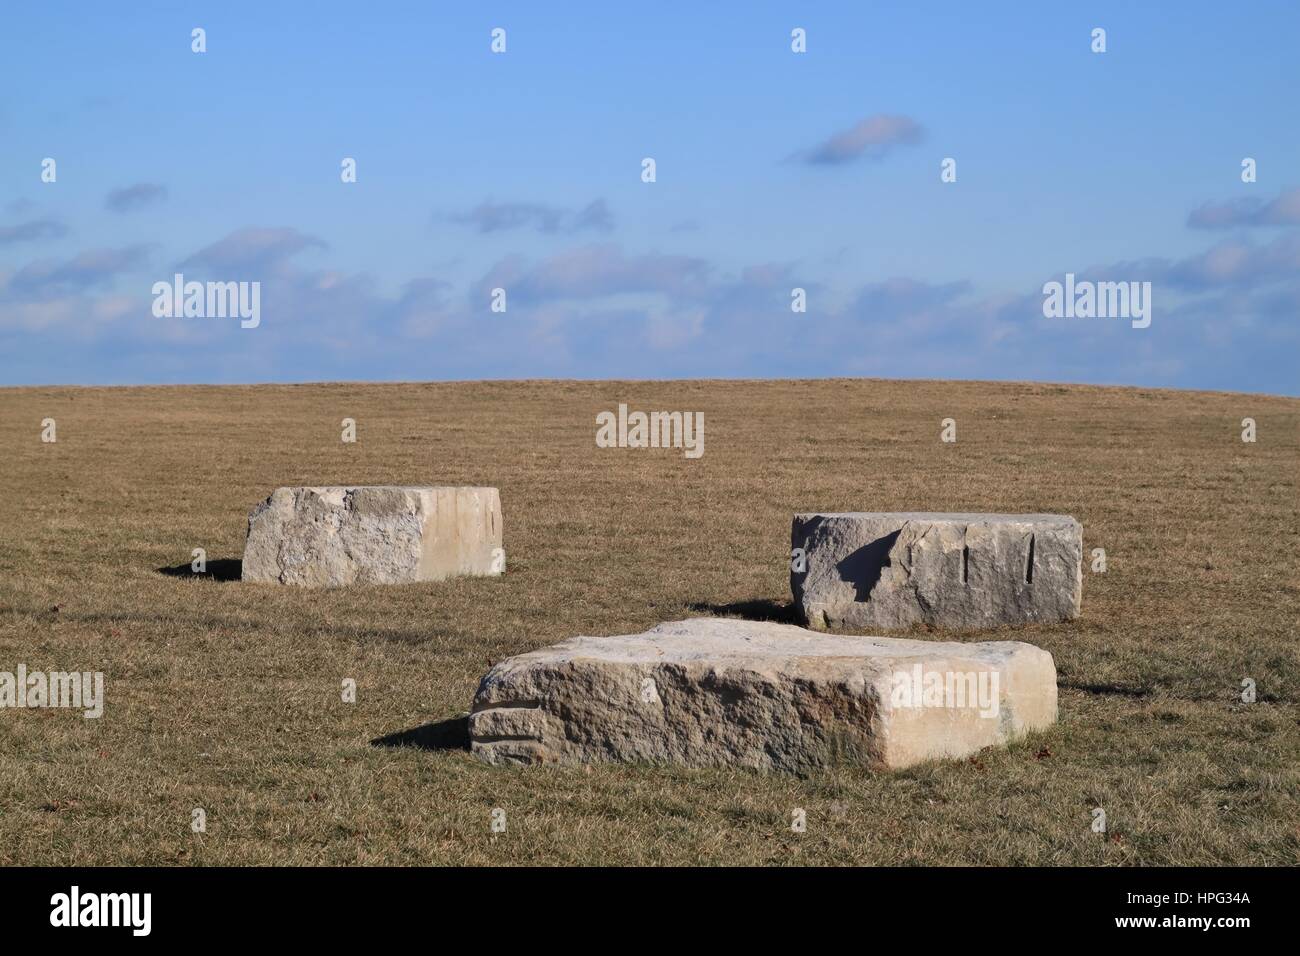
884, 570
373, 534
709, 692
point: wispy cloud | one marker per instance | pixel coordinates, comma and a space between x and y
32, 231
595, 215
500, 217
253, 250
87, 271
131, 198
1238, 263
872, 138
598, 270
1248, 211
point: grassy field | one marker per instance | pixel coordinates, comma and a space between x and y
227, 697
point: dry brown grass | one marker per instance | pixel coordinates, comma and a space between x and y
227, 697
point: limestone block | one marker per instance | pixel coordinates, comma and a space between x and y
373, 534
880, 571
711, 692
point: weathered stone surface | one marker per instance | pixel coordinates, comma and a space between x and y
895, 569
710, 692
373, 534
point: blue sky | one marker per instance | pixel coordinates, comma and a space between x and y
775, 170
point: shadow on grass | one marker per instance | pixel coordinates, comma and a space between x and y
759, 609
450, 734
222, 569
1119, 689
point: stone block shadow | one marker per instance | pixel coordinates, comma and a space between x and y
864, 567
450, 734
222, 569
758, 609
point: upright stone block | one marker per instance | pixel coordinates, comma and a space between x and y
710, 692
373, 534
894, 569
